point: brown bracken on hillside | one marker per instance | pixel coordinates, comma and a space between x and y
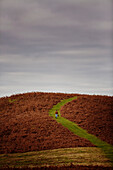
25, 124
93, 113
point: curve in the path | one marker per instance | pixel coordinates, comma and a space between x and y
107, 148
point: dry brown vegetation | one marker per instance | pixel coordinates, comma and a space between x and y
93, 113
71, 167
25, 124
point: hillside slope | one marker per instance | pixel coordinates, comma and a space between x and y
93, 113
25, 124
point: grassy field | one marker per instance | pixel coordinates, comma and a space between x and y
78, 156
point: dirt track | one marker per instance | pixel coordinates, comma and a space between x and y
25, 124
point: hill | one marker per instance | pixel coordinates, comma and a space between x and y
25, 124
92, 113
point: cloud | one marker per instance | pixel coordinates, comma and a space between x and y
60, 45
62, 23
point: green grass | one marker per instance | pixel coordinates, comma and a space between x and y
11, 101
78, 156
106, 148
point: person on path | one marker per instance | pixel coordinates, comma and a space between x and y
56, 114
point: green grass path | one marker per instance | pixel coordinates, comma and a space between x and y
107, 148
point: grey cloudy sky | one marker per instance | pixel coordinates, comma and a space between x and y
56, 46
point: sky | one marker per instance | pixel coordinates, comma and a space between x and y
56, 46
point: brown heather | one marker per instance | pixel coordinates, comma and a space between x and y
92, 113
25, 124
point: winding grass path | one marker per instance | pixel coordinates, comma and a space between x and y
105, 147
